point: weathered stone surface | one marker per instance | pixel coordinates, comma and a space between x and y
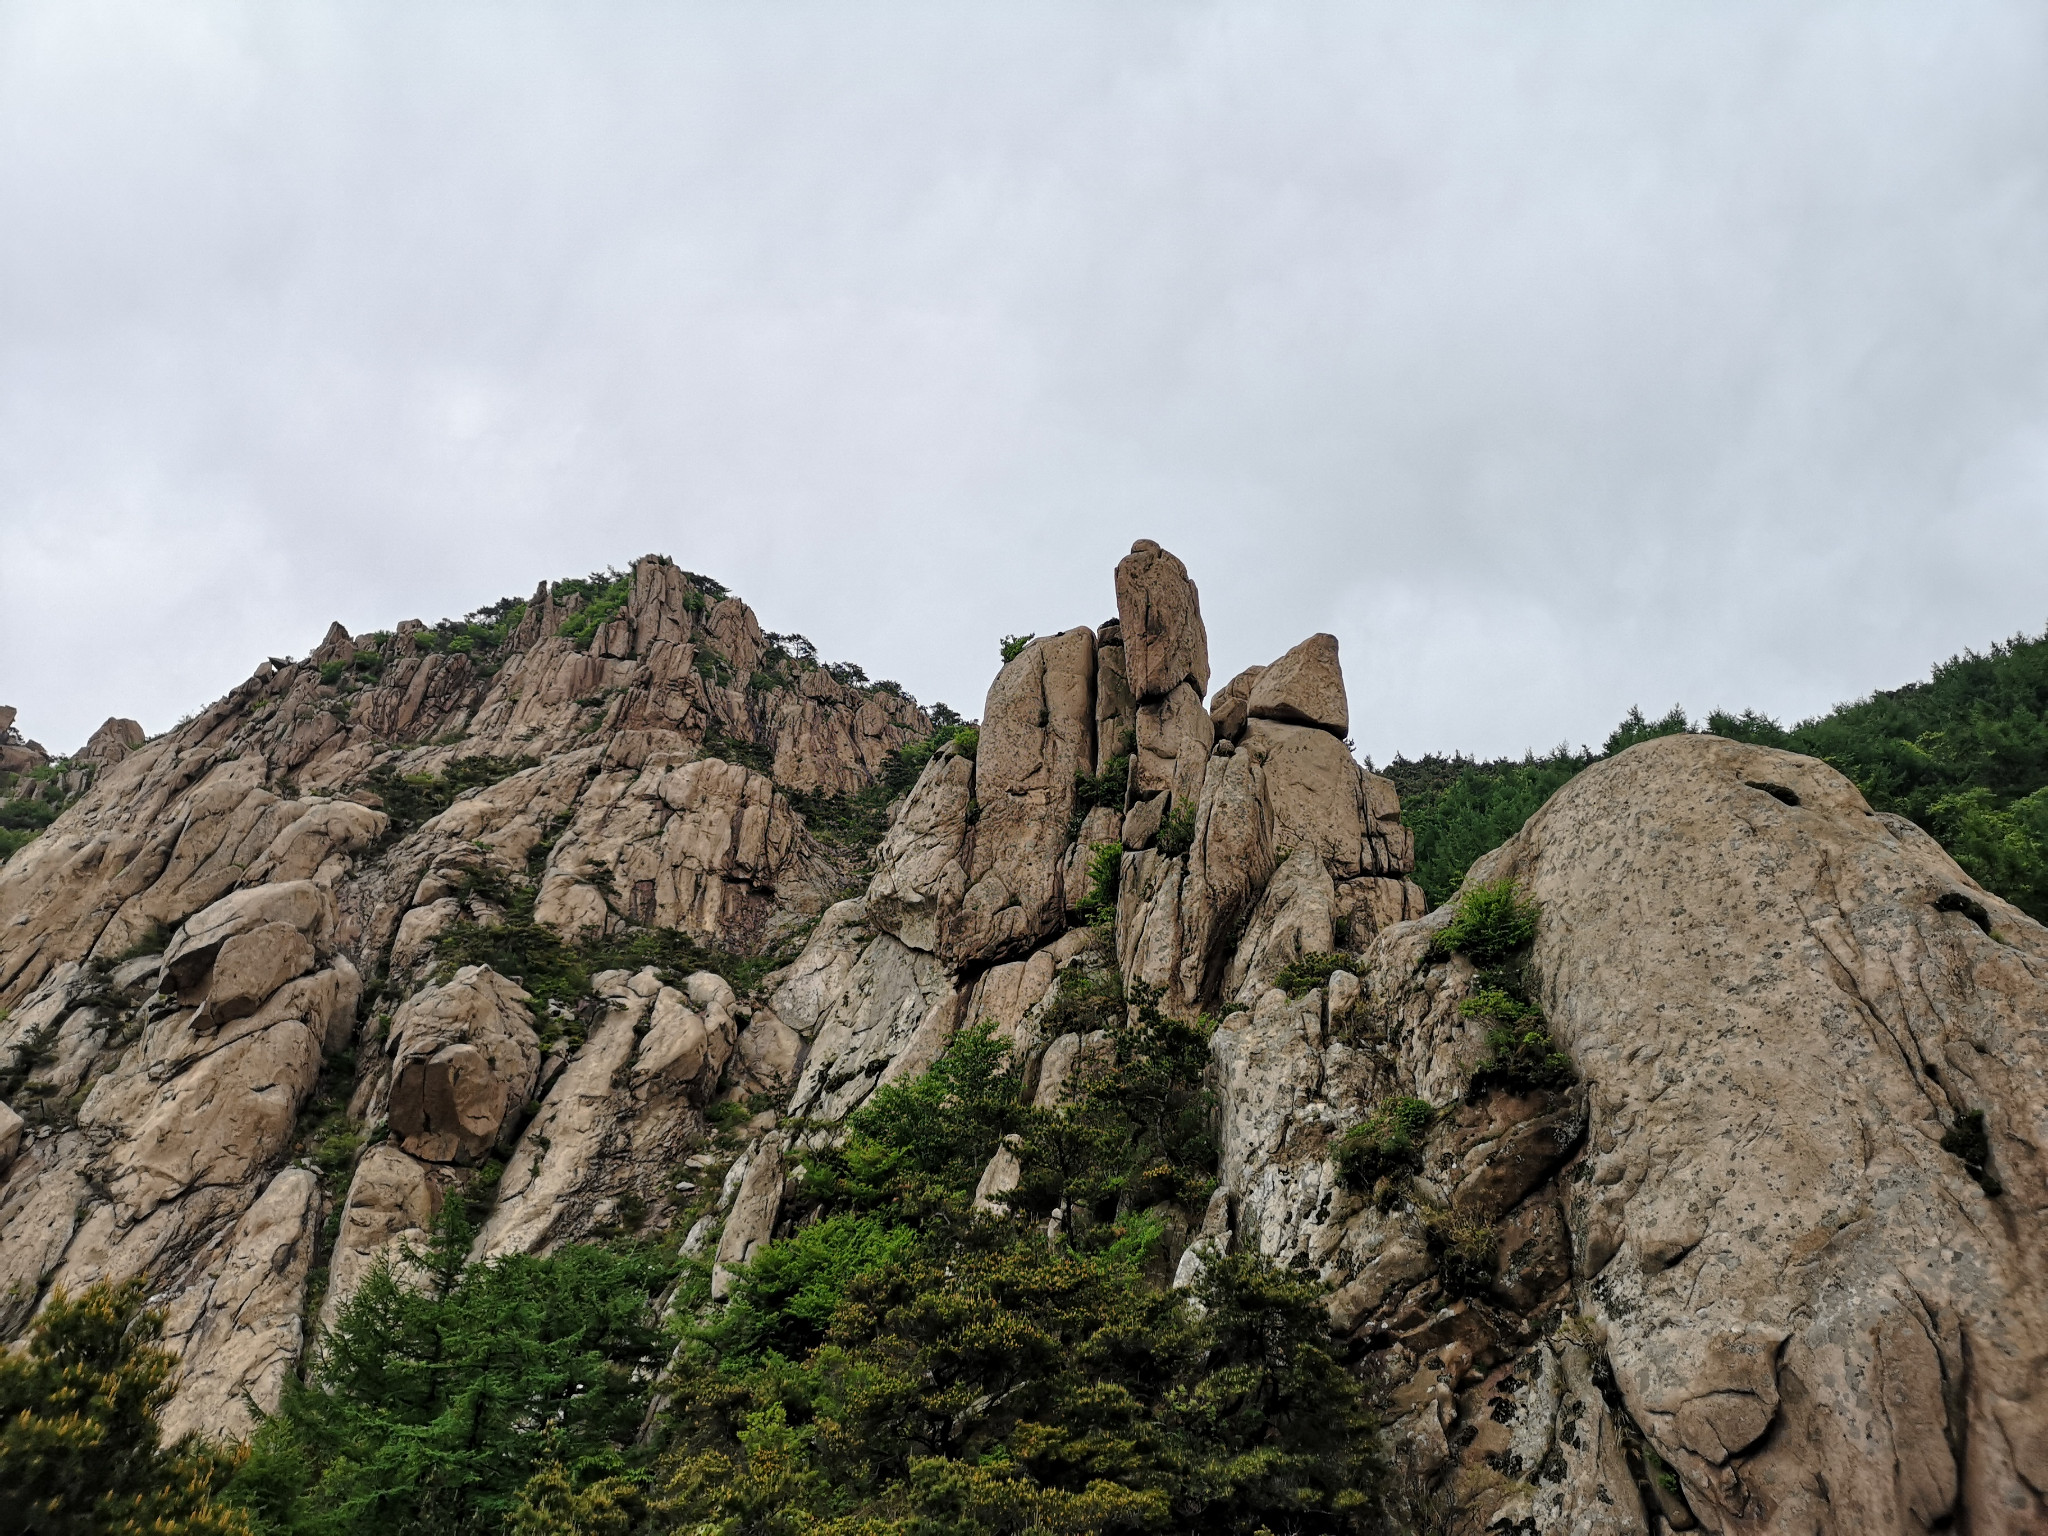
114, 740
1176, 917
1231, 705
685, 1047
11, 1126
1323, 800
1304, 687
392, 1202
606, 1133
864, 1020
1294, 917
1777, 1040
464, 1058
238, 1332
1174, 737
1116, 710
1037, 732
1160, 611
921, 865
751, 1221
771, 1055
250, 966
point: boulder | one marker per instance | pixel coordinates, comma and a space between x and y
1814, 1310
464, 1058
771, 1054
298, 905
920, 867
1231, 705
392, 1201
751, 1221
244, 1341
1322, 800
10, 1136
113, 741
1116, 711
1160, 611
253, 964
1304, 687
1037, 732
1174, 737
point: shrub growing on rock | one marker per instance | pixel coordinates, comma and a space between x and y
1303, 976
1385, 1145
1522, 1058
1492, 922
1177, 831
80, 1450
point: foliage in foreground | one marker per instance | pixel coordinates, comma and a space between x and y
80, 1450
901, 1362
1963, 754
435, 1399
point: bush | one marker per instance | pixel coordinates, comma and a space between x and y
1013, 646
967, 741
785, 1299
603, 596
1303, 976
412, 799
1491, 923
1105, 869
1522, 1059
1384, 1146
80, 1448
422, 1407
1177, 831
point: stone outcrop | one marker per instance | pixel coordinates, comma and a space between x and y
1037, 732
1304, 687
1720, 1272
464, 1058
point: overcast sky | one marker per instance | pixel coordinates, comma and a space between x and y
1556, 358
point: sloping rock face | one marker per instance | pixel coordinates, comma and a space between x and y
184, 1013
1720, 1270
1819, 1316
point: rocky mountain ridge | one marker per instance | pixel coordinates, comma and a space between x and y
1661, 1210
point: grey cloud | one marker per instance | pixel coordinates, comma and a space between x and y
1554, 360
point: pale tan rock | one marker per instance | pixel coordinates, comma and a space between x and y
1005, 1171
770, 1054
1304, 687
1069, 1065
751, 1221
1177, 917
1230, 707
251, 965
858, 1029
11, 1126
392, 1202
1294, 917
245, 1339
921, 873
1116, 709
297, 905
1164, 641
1806, 1288
684, 1048
221, 1122
1141, 823
113, 741
1037, 732
464, 1059
1174, 738
1322, 799
41, 1195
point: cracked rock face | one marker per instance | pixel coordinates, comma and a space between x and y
1726, 1277
1819, 1316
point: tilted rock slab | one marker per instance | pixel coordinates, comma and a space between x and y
1816, 1313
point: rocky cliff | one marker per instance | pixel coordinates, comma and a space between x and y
1685, 1173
